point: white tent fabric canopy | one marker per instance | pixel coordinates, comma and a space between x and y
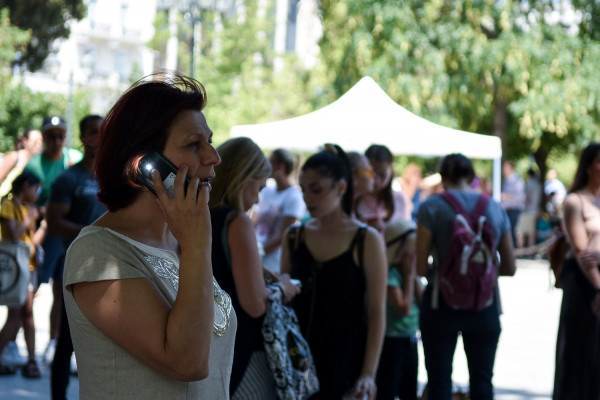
366, 115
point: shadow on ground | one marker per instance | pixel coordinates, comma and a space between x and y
520, 394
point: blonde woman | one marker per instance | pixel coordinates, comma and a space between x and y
237, 265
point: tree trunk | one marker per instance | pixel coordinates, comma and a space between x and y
501, 121
541, 157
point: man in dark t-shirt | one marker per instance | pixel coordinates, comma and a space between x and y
73, 204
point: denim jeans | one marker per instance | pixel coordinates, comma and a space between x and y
54, 250
480, 332
60, 369
513, 217
398, 369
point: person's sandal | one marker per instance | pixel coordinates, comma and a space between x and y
31, 370
7, 370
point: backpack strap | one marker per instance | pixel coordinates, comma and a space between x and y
454, 202
480, 207
478, 211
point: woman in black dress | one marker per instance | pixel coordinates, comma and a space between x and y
341, 264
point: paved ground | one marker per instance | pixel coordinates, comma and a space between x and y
524, 364
16, 387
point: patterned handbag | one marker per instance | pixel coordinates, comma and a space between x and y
287, 351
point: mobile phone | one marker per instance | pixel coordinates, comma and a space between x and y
167, 171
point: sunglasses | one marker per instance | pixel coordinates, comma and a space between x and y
368, 172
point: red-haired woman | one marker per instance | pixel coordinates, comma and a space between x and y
147, 318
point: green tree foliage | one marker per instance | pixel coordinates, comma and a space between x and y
11, 39
236, 63
46, 21
23, 109
503, 68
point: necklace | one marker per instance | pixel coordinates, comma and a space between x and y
222, 309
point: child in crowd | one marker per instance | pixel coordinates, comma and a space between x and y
17, 218
399, 364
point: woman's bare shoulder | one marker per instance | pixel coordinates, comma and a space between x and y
573, 200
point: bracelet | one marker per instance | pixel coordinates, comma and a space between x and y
278, 286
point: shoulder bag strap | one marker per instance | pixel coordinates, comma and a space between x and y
224, 235
294, 234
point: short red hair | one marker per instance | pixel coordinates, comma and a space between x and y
136, 125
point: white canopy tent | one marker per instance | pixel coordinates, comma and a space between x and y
365, 115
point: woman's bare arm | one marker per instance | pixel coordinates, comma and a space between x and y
8, 163
575, 226
403, 298
375, 267
507, 256
424, 245
175, 340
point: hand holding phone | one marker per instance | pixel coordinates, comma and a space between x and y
166, 169
187, 216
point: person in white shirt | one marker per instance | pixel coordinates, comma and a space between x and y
555, 193
279, 207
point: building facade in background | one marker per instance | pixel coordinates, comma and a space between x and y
107, 49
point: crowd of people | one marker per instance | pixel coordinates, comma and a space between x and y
161, 280
51, 194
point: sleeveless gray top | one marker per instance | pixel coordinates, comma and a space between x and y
107, 371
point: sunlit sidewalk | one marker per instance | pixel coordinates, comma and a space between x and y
524, 367
15, 386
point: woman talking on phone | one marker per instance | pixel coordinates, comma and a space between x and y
148, 319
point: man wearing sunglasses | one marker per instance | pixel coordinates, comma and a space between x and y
47, 165
73, 204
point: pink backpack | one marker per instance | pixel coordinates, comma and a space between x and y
467, 275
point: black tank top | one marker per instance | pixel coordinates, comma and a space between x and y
331, 312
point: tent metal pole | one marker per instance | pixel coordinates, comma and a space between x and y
496, 178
